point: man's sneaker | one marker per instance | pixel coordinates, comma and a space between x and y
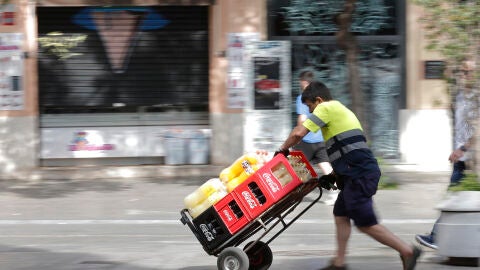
426, 240
410, 262
331, 197
331, 266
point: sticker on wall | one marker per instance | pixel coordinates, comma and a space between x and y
236, 76
83, 142
11, 72
7, 14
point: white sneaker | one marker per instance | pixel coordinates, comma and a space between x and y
331, 197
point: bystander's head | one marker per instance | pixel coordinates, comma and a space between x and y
468, 74
305, 77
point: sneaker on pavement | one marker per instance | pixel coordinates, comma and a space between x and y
410, 262
331, 197
426, 240
333, 267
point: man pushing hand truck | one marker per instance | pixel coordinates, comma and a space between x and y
355, 172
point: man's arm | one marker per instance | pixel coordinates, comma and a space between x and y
300, 119
459, 152
295, 137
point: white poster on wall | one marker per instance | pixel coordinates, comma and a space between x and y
267, 115
236, 82
11, 71
114, 142
90, 142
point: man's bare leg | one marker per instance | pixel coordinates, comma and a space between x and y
384, 236
344, 230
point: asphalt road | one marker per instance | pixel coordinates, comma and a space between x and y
134, 224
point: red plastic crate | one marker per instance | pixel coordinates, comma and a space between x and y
232, 213
300, 154
275, 187
254, 196
263, 189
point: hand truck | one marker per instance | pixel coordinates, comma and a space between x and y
256, 254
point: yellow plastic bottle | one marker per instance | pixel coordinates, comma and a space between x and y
226, 175
237, 167
205, 204
232, 184
203, 192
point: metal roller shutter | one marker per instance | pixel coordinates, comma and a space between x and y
120, 59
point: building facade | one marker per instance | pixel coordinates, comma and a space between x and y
106, 82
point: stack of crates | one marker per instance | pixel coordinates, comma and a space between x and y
248, 201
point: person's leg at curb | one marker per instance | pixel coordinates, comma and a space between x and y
458, 173
426, 240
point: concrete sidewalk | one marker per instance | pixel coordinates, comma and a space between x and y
417, 187
113, 172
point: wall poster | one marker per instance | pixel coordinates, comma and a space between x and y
11, 72
267, 114
267, 83
236, 76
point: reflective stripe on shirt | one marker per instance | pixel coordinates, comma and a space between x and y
344, 143
346, 149
317, 120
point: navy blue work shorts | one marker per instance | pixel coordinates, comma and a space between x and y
355, 200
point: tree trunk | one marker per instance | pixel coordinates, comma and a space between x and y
347, 41
476, 140
354, 86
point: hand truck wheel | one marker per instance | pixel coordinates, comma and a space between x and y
232, 258
260, 256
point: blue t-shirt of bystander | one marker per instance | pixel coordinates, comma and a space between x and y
311, 137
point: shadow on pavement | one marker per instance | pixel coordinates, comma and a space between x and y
184, 180
199, 268
377, 262
52, 189
26, 258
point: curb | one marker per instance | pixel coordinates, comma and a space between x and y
113, 172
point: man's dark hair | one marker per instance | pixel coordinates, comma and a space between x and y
306, 75
316, 89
